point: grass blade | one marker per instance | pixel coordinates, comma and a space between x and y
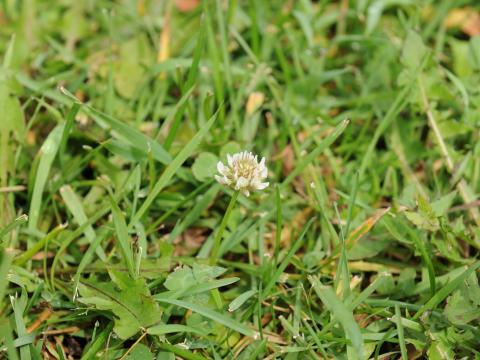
240, 300
286, 260
341, 312
75, 207
197, 289
22, 219
213, 315
317, 151
123, 238
47, 153
171, 169
172, 328
446, 290
401, 336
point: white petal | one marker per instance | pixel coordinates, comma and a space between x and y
220, 179
220, 167
230, 159
241, 183
262, 186
246, 192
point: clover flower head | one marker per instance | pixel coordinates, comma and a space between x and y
243, 172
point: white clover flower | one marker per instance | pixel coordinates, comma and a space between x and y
243, 172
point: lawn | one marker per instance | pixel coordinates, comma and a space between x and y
239, 179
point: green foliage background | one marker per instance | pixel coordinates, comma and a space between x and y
113, 115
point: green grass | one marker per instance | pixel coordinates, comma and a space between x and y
116, 242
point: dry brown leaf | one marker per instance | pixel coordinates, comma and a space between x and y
467, 19
254, 101
372, 267
44, 315
186, 5
472, 25
288, 162
365, 227
190, 241
297, 223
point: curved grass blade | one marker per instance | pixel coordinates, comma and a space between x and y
310, 157
341, 312
240, 300
298, 243
213, 315
172, 168
446, 290
123, 238
197, 289
22, 219
172, 328
48, 151
75, 207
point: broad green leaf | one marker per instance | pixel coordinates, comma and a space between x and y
452, 285
229, 148
182, 279
140, 352
441, 206
205, 166
422, 221
439, 348
460, 310
414, 50
131, 303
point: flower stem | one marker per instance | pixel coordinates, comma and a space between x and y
223, 225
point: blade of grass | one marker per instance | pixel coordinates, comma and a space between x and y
240, 300
75, 207
278, 272
6, 331
96, 345
123, 238
69, 121
86, 259
341, 312
172, 168
5, 262
182, 353
401, 336
29, 253
314, 154
22, 219
446, 290
172, 328
18, 305
124, 132
47, 154
197, 289
187, 88
213, 315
